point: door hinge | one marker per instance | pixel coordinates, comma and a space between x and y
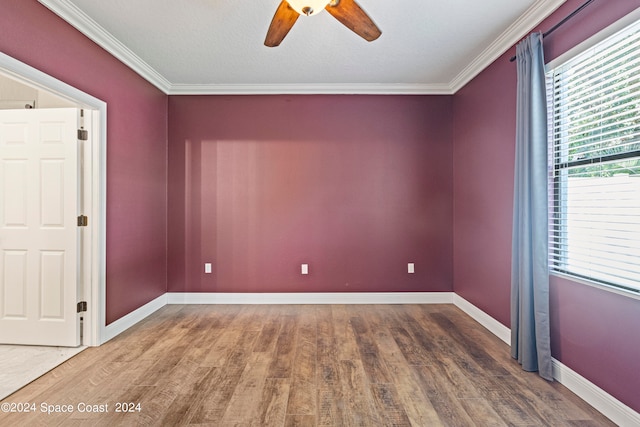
83, 135
82, 306
83, 221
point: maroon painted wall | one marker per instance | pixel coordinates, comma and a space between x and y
136, 147
592, 330
355, 186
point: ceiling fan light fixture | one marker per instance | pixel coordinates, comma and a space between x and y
308, 7
347, 12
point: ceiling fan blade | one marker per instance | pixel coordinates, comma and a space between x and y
351, 15
281, 23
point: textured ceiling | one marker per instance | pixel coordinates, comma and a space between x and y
216, 46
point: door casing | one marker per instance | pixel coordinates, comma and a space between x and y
94, 288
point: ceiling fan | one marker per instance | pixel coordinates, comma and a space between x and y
348, 12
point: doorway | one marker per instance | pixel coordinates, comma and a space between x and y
92, 289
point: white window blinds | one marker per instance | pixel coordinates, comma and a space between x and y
594, 117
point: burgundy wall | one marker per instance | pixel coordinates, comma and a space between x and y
592, 330
594, 333
136, 147
355, 186
483, 153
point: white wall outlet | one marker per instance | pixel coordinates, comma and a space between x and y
207, 267
304, 269
411, 268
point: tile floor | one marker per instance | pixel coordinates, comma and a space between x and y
21, 364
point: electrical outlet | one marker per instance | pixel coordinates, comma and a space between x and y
207, 267
411, 268
304, 269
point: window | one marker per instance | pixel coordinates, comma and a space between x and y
594, 129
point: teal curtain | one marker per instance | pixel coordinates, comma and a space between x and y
530, 342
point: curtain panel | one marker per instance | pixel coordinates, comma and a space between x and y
530, 341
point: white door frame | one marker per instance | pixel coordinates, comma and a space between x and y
94, 290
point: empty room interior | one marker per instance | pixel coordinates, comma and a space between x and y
317, 224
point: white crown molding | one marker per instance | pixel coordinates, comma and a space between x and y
516, 31
312, 89
87, 26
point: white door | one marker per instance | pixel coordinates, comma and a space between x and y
39, 235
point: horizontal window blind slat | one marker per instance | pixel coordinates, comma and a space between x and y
598, 57
568, 93
585, 109
569, 86
593, 71
618, 117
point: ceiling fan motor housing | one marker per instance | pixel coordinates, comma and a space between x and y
308, 7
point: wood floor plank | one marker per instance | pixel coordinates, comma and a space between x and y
360, 409
343, 333
303, 391
273, 403
226, 342
326, 347
217, 399
441, 395
373, 364
190, 407
304, 387
389, 406
331, 407
476, 352
181, 409
480, 409
411, 350
244, 404
331, 402
266, 341
284, 354
417, 406
300, 421
528, 393
421, 335
294, 365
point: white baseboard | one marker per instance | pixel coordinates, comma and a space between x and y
311, 298
602, 401
495, 327
124, 323
134, 317
608, 405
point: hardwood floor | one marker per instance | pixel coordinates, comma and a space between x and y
303, 365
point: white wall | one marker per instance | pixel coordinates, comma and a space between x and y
15, 95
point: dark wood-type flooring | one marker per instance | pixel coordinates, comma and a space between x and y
302, 365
